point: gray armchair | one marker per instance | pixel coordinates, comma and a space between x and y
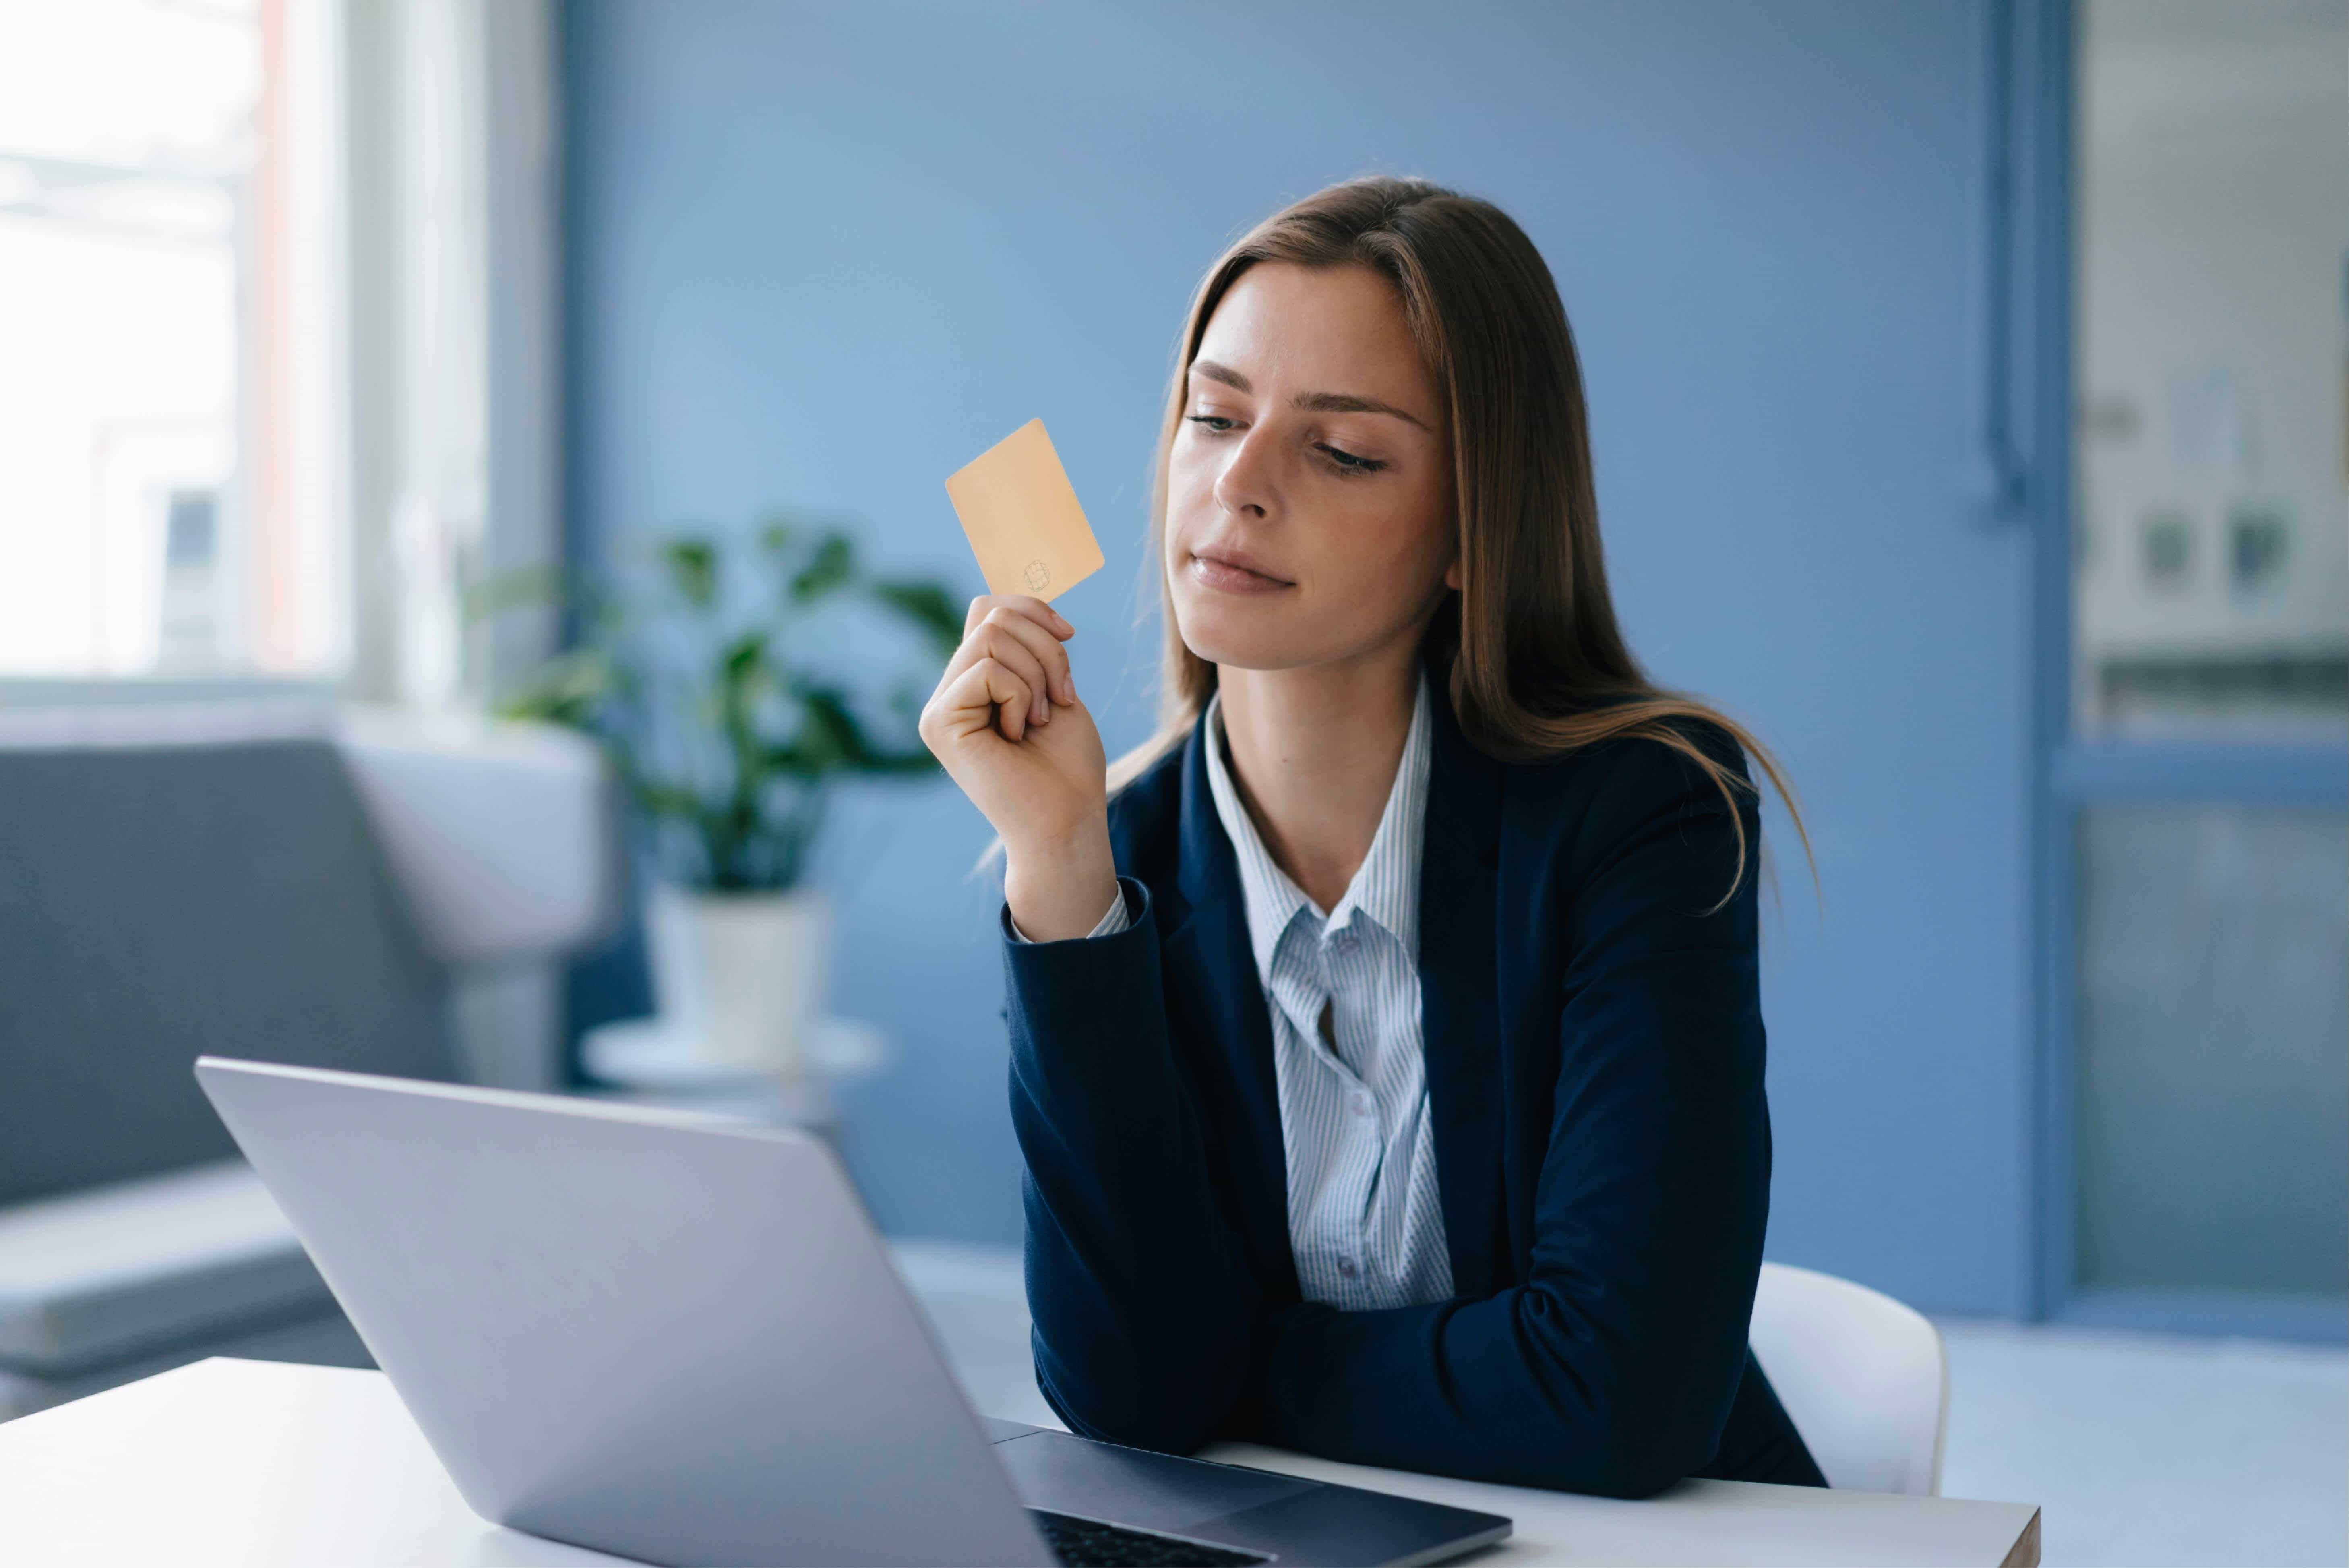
297, 884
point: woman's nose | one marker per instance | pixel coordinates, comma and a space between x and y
1248, 482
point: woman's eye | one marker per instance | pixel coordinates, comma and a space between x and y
1347, 463
1216, 422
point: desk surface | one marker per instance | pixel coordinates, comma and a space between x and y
256, 1463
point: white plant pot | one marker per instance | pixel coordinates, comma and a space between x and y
739, 977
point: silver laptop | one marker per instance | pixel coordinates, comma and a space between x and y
679, 1338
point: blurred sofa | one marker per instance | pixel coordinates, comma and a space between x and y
293, 881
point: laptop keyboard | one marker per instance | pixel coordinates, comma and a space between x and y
1082, 1543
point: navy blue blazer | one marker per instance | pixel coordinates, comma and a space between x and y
1594, 1067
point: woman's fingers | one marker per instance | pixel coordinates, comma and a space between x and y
1041, 645
1009, 630
1010, 666
1025, 604
999, 644
996, 642
988, 694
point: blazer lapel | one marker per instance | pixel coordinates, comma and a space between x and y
1213, 997
1460, 1018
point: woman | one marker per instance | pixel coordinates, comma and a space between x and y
1386, 1050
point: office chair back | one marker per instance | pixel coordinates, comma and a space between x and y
1864, 1377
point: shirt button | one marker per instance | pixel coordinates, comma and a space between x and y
1343, 940
1361, 1105
1346, 1267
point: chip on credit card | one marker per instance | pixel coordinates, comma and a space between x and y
1022, 515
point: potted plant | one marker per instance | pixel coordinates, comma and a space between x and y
727, 731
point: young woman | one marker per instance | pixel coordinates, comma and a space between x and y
1386, 1049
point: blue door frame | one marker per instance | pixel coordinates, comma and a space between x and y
2033, 78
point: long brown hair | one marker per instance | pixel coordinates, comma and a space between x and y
1538, 665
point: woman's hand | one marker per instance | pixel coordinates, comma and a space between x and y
1006, 723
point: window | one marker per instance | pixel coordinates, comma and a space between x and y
2211, 566
2199, 833
170, 400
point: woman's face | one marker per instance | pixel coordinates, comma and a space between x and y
1308, 507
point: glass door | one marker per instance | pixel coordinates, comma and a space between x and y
2198, 848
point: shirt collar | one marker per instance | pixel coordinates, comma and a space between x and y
1385, 888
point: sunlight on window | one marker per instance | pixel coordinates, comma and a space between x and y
166, 396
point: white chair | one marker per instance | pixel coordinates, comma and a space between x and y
1864, 1377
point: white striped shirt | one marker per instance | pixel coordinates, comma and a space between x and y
1365, 1223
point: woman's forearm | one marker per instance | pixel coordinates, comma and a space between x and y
1057, 889
1146, 1317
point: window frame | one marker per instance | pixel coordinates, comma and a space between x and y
496, 255
2072, 774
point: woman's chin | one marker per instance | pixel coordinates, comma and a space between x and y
1220, 633
1242, 640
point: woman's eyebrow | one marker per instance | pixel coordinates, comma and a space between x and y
1310, 402
1347, 403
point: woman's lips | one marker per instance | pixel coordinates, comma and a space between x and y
1225, 575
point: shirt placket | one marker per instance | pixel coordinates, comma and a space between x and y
1361, 1156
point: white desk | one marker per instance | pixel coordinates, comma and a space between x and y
255, 1463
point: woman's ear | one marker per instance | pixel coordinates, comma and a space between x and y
1452, 575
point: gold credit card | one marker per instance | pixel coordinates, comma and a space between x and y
1022, 515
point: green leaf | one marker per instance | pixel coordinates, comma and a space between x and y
742, 674
569, 689
674, 801
827, 714
741, 657
830, 569
664, 671
928, 606
692, 570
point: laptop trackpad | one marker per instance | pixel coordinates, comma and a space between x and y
1132, 1486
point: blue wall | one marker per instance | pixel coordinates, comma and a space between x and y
823, 254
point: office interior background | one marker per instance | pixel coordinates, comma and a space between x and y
1967, 381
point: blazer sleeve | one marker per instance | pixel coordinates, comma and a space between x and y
1145, 1315
1612, 1368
